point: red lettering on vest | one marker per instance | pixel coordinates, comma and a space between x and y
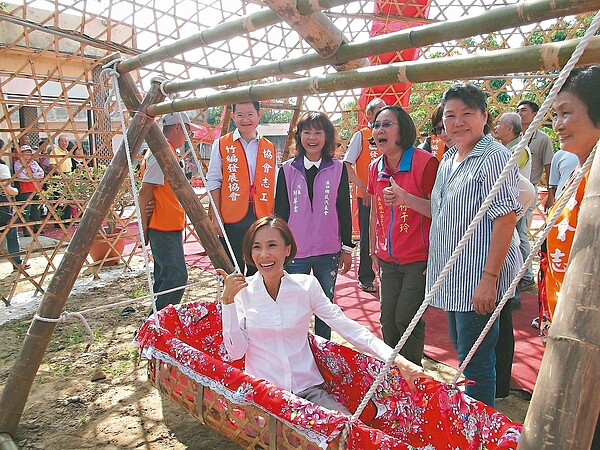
237, 191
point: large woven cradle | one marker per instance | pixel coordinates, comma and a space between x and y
188, 362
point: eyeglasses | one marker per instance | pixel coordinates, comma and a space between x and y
385, 124
438, 130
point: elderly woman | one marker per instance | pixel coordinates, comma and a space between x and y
400, 224
488, 263
576, 120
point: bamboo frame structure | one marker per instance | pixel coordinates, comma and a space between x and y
218, 33
541, 57
83, 61
512, 15
21, 378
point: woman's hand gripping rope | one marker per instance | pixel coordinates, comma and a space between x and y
234, 283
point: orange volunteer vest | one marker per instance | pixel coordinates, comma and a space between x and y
236, 190
168, 213
368, 153
560, 242
437, 146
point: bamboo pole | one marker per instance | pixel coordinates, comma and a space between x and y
496, 19
290, 137
316, 29
180, 185
307, 7
21, 377
6, 442
221, 32
566, 399
500, 62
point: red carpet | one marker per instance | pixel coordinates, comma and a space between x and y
529, 350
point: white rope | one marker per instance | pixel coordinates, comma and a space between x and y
210, 197
107, 70
161, 88
471, 229
80, 314
64, 317
120, 108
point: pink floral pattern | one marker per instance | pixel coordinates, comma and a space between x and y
436, 416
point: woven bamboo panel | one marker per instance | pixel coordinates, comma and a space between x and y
247, 425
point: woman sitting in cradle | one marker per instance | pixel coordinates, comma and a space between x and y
266, 318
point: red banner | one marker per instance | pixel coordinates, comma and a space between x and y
394, 15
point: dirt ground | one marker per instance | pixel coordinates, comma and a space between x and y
120, 410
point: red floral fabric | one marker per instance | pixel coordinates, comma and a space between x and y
435, 416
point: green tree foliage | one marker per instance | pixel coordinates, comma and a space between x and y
213, 115
561, 30
276, 116
423, 99
347, 124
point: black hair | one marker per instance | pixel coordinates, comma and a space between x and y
470, 94
533, 105
408, 131
318, 121
584, 83
256, 105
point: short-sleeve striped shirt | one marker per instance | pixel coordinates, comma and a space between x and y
456, 198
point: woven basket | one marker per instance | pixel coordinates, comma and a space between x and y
246, 425
186, 363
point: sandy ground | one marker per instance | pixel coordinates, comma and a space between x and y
120, 410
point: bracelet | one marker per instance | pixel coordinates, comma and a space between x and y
493, 275
347, 249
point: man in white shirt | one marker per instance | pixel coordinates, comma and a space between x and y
241, 177
563, 165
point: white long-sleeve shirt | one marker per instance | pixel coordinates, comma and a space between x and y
273, 334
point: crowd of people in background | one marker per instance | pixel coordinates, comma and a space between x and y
415, 200
25, 175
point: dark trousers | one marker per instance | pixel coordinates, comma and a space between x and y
464, 329
401, 293
366, 276
32, 212
235, 234
12, 245
170, 270
505, 350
